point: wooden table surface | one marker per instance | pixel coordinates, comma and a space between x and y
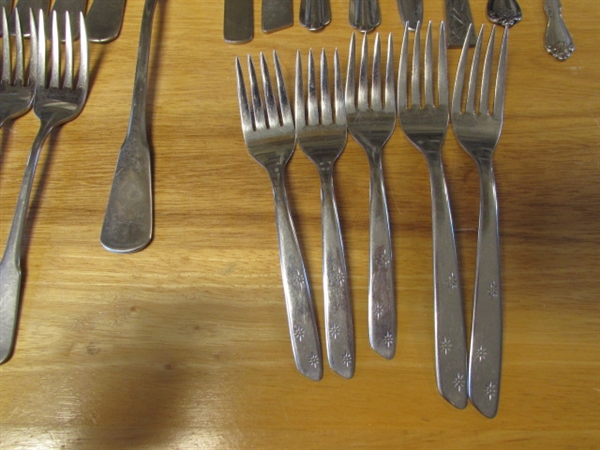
185, 344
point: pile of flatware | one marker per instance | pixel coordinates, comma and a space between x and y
368, 111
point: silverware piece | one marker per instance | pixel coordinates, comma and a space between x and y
365, 14
56, 102
23, 6
238, 24
104, 20
276, 15
425, 122
74, 7
459, 21
558, 40
411, 12
127, 223
315, 14
371, 122
6, 5
270, 138
478, 132
504, 12
322, 135
16, 92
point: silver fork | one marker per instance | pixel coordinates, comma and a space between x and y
322, 136
55, 103
371, 123
16, 93
478, 132
426, 128
270, 138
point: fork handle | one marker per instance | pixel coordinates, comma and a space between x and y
338, 311
382, 302
302, 324
450, 337
486, 334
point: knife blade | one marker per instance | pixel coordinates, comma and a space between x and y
411, 11
238, 25
276, 15
104, 20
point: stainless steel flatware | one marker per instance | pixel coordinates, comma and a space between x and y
315, 14
365, 14
425, 122
238, 24
16, 90
411, 12
127, 223
459, 22
7, 6
268, 128
74, 7
371, 120
322, 134
23, 6
558, 41
104, 20
58, 100
504, 12
478, 131
276, 15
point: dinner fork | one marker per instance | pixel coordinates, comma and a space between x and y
371, 123
270, 139
478, 132
425, 126
322, 136
56, 102
16, 93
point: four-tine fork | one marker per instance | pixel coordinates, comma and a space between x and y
322, 136
371, 122
478, 131
270, 138
56, 102
425, 126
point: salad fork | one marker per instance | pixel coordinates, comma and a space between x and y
322, 136
56, 102
270, 138
371, 123
425, 126
478, 131
16, 93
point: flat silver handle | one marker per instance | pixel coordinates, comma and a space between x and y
238, 25
365, 14
104, 20
315, 14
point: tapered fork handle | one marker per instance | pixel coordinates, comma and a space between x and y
300, 309
486, 335
450, 337
338, 311
382, 301
10, 267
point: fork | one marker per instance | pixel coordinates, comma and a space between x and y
16, 93
426, 128
55, 103
371, 123
478, 132
322, 136
271, 139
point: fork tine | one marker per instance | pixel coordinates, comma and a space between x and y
84, 57
271, 103
68, 80
363, 76
442, 67
6, 59
311, 101
20, 66
415, 82
350, 97
287, 118
41, 50
501, 77
376, 100
245, 114
487, 74
459, 82
390, 92
340, 110
470, 106
257, 107
429, 67
55, 46
326, 114
33, 45
403, 72
299, 108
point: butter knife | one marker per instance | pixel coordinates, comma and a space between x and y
24, 6
104, 19
411, 12
458, 19
238, 26
276, 15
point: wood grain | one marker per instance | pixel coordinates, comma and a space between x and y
185, 344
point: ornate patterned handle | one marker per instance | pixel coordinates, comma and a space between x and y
458, 19
558, 40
